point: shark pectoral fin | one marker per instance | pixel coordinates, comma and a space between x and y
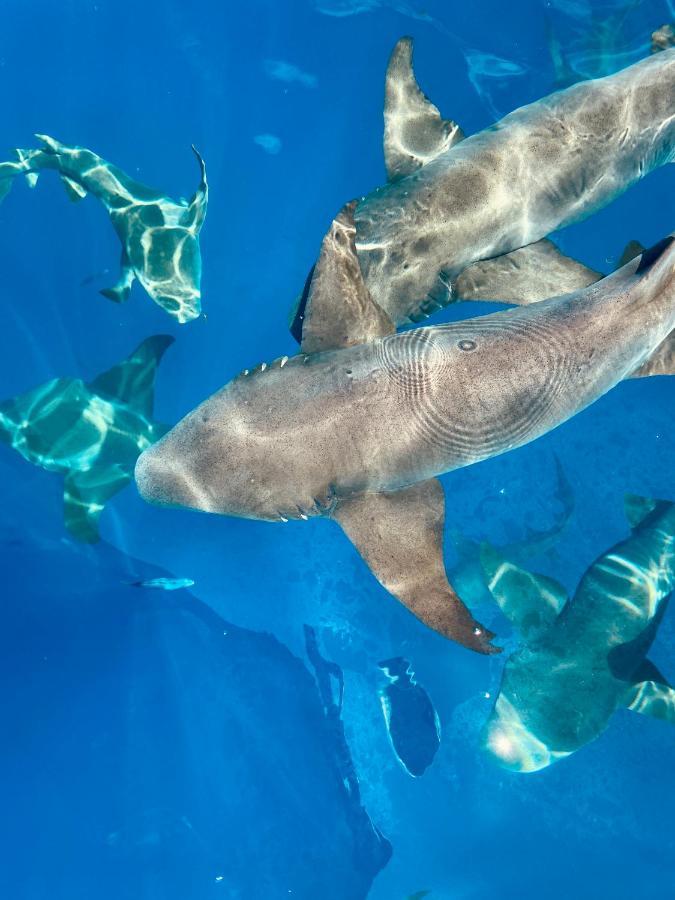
133, 380
120, 291
84, 497
651, 698
661, 362
524, 276
337, 309
530, 602
196, 211
74, 190
414, 132
399, 534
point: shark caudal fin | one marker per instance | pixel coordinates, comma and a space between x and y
196, 211
133, 380
414, 131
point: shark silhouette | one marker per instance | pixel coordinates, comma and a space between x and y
91, 433
584, 658
360, 423
160, 237
467, 218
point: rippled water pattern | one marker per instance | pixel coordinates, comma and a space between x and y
201, 707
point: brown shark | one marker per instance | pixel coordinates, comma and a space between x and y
466, 218
358, 426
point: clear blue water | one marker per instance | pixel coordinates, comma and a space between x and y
183, 745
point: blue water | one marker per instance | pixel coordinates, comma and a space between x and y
183, 745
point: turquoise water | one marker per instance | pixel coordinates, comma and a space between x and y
227, 738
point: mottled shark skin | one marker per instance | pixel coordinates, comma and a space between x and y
360, 423
582, 659
452, 202
91, 433
159, 236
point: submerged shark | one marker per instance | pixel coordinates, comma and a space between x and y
359, 424
91, 433
159, 236
466, 218
584, 658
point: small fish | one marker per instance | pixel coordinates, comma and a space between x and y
164, 584
412, 722
488, 72
280, 70
270, 143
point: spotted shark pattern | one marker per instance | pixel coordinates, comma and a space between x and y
90, 433
159, 236
584, 658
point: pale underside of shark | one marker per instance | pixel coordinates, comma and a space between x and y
90, 433
159, 236
582, 659
358, 426
466, 218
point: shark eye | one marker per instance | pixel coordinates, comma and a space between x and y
467, 345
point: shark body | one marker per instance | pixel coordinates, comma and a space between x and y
358, 426
159, 236
584, 658
467, 218
90, 433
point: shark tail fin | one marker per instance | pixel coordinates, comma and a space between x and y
133, 380
196, 211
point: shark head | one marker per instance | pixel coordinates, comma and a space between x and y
221, 458
512, 745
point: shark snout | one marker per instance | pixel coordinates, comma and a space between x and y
161, 479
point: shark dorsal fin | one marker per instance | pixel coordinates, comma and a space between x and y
338, 310
530, 602
630, 251
414, 132
637, 508
133, 380
196, 212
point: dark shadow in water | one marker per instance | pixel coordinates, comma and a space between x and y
153, 750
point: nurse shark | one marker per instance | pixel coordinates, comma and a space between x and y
360, 423
159, 236
91, 433
582, 659
466, 218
